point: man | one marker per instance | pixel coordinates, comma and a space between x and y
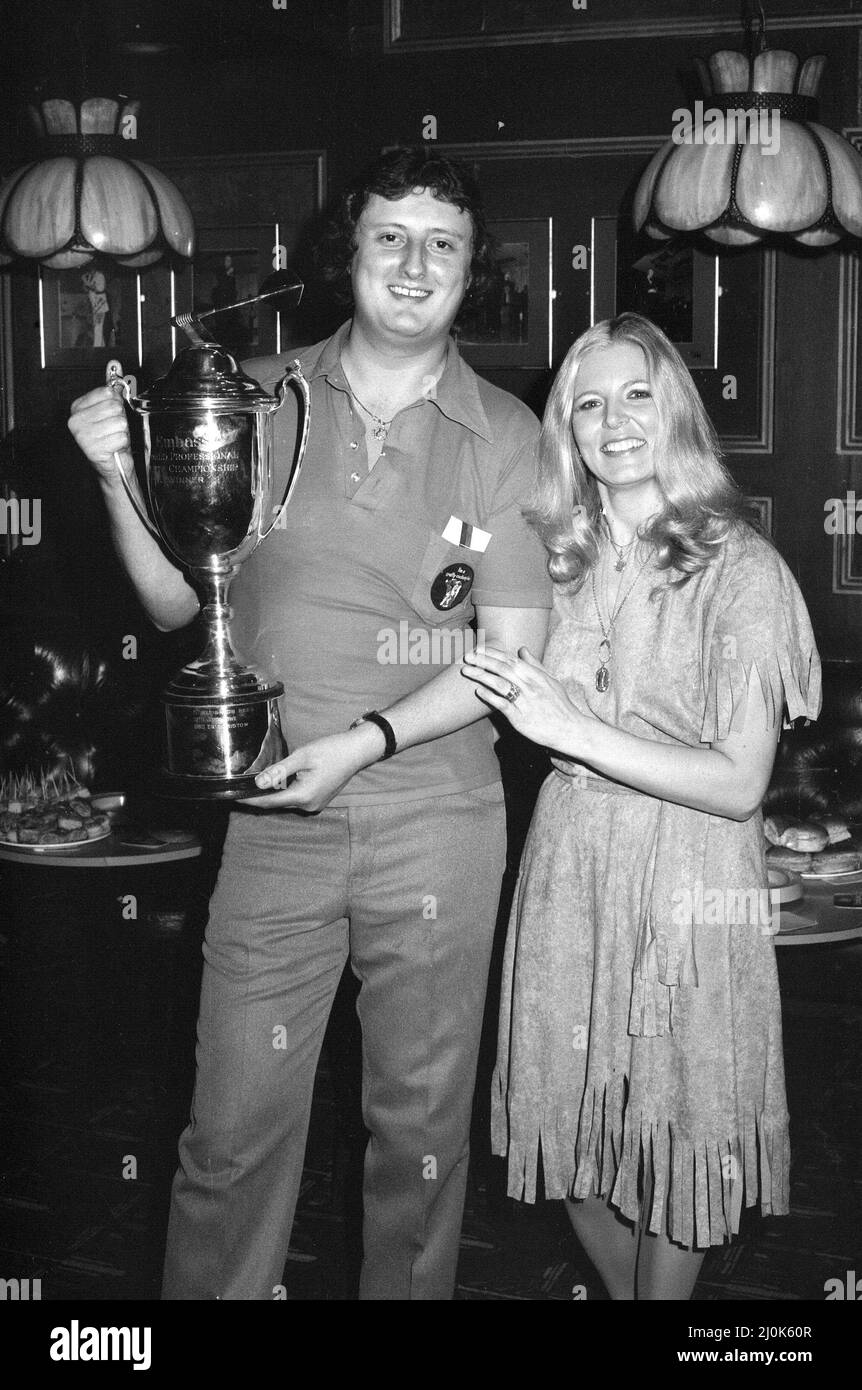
405, 523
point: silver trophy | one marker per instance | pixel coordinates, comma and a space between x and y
208, 469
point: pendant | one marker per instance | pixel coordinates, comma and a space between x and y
603, 678
620, 566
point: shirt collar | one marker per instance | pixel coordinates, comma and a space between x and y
456, 395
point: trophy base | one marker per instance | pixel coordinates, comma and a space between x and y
177, 787
215, 745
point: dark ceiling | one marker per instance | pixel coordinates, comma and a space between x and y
46, 34
149, 48
46, 41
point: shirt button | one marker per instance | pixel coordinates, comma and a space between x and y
353, 444
354, 477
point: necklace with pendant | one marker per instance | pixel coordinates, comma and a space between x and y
380, 427
622, 551
603, 676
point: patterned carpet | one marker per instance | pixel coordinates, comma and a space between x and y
97, 1073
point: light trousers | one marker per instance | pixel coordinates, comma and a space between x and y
409, 892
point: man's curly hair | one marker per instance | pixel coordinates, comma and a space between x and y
394, 174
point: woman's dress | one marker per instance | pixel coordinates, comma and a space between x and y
640, 1032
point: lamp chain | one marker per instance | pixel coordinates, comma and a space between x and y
755, 18
82, 50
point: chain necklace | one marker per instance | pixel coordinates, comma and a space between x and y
380, 427
603, 678
622, 551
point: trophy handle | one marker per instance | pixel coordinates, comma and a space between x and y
125, 386
292, 377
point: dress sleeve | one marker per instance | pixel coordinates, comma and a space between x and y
758, 629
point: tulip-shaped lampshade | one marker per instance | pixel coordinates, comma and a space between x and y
88, 197
752, 161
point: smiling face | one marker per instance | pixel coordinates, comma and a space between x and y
615, 420
411, 267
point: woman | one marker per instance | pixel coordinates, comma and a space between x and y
640, 1037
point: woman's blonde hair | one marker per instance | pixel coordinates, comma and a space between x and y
701, 502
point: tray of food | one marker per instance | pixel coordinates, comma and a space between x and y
46, 814
823, 848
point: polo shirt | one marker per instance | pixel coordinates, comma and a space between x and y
365, 589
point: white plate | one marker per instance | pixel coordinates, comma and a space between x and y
784, 886
58, 849
837, 873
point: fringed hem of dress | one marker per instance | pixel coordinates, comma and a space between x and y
698, 1187
788, 677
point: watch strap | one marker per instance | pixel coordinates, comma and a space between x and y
374, 716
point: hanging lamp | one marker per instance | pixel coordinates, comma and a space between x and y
88, 196
752, 160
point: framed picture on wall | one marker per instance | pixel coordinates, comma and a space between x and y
719, 311
759, 511
512, 325
847, 566
231, 265
88, 316
250, 212
673, 283
418, 25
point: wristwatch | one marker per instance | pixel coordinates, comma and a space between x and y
373, 716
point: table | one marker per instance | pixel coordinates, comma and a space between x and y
108, 957
815, 920
110, 853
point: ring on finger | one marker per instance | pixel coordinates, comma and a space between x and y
513, 692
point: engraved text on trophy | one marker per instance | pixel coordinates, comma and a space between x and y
202, 482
